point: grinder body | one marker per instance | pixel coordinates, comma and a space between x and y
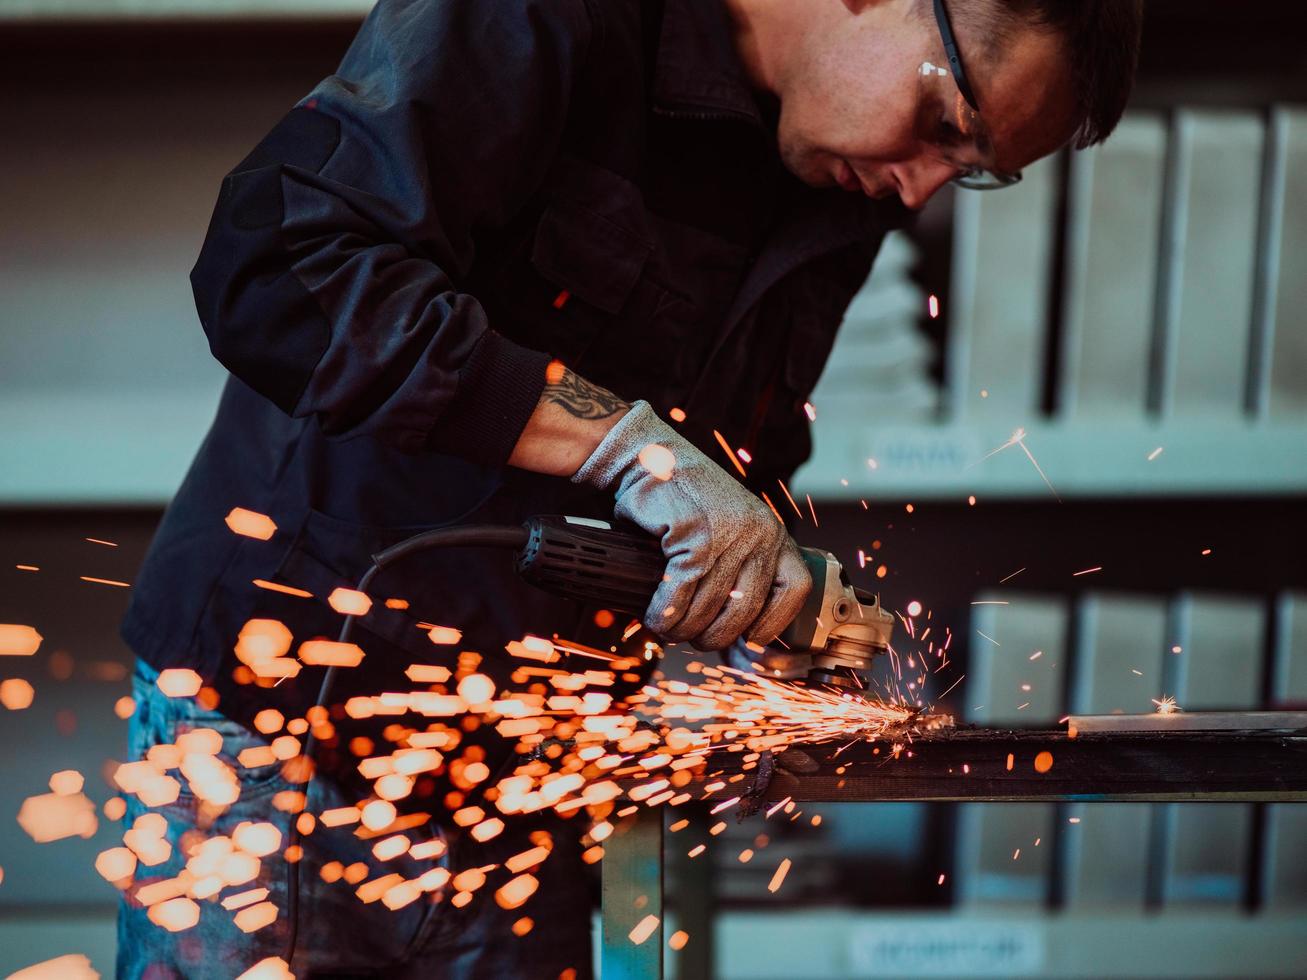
843, 628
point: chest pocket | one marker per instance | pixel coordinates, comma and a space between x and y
594, 259
577, 273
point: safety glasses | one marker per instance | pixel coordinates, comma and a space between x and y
948, 117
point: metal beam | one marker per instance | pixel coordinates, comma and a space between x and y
1003, 766
632, 889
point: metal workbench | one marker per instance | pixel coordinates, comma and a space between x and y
1267, 764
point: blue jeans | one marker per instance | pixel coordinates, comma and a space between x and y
338, 934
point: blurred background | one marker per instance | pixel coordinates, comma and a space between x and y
1130, 317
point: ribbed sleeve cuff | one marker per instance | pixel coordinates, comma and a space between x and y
498, 389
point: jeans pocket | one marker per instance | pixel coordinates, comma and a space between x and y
179, 735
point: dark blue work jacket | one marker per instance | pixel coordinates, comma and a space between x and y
482, 186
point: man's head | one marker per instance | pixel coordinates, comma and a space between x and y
869, 100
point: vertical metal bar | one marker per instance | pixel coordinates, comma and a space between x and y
1063, 843
1170, 265
1065, 884
1266, 276
694, 898
1161, 851
1257, 869
1277, 684
1054, 325
632, 889
1075, 279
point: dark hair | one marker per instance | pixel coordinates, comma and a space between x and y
1102, 43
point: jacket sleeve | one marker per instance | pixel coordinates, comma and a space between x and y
329, 278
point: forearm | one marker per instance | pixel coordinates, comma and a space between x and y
570, 420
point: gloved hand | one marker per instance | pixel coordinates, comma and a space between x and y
732, 569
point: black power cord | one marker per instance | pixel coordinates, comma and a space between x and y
473, 536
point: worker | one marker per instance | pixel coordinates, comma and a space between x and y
470, 277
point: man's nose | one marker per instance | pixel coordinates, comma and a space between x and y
920, 179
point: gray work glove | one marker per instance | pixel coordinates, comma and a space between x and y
732, 570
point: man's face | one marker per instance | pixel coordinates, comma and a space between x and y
855, 114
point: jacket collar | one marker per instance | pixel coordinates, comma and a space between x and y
697, 68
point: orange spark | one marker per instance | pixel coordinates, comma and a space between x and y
105, 581
269, 968
176, 914
179, 682
329, 653
779, 877
730, 453
16, 694
644, 929
251, 524
349, 602
658, 460
516, 893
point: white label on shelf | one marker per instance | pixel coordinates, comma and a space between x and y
924, 452
969, 948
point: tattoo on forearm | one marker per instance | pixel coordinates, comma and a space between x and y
580, 398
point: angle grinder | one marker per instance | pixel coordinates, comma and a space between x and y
843, 628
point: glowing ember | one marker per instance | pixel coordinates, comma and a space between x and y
444, 635
349, 602
16, 694
176, 914
778, 878
272, 968
116, 865
74, 966
283, 589
53, 816
516, 893
426, 673
251, 524
259, 839
18, 641
329, 653
262, 640
242, 899
66, 782
376, 815
269, 720
179, 682
105, 581
644, 929
1167, 705
255, 917
476, 689
658, 460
